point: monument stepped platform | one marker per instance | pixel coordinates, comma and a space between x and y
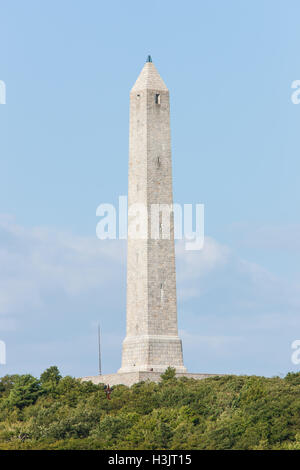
130, 378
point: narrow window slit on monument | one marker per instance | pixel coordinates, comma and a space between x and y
157, 98
158, 161
161, 292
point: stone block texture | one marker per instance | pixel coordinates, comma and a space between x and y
152, 342
130, 378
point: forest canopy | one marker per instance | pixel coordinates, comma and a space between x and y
222, 412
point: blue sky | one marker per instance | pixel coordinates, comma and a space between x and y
68, 68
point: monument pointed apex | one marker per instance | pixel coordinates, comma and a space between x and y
149, 78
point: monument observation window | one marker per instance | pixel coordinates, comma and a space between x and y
157, 98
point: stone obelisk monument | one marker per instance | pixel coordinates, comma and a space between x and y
152, 342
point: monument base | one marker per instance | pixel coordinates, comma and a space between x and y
130, 378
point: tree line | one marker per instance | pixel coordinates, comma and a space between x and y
226, 412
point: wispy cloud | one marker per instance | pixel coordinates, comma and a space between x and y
267, 236
36, 263
55, 287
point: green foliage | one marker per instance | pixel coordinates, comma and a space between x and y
293, 377
24, 392
51, 375
49, 381
169, 374
229, 412
6, 384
